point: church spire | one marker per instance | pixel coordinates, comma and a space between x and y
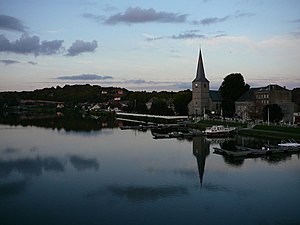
200, 75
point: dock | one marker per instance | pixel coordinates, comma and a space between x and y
252, 153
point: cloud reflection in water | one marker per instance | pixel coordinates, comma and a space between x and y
81, 163
12, 188
141, 194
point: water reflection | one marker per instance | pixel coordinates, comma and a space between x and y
200, 151
30, 166
35, 166
256, 143
69, 122
146, 193
10, 150
64, 177
9, 189
81, 163
277, 159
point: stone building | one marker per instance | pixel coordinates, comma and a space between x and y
250, 105
296, 96
204, 101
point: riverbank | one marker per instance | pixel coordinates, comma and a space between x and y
202, 124
273, 132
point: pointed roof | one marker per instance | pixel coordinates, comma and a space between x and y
200, 75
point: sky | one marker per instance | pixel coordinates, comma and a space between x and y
147, 45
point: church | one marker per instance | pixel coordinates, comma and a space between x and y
204, 101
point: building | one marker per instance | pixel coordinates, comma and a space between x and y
250, 104
204, 101
296, 96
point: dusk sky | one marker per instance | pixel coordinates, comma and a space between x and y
147, 45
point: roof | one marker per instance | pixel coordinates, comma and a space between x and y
248, 96
271, 87
215, 96
200, 75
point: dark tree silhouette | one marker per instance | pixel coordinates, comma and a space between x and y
274, 111
160, 107
232, 87
181, 101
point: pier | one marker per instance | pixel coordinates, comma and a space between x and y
251, 153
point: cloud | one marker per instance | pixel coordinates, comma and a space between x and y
154, 38
138, 81
109, 7
32, 63
85, 77
190, 34
187, 36
80, 46
239, 14
210, 20
11, 23
139, 15
96, 18
30, 45
184, 85
220, 35
9, 62
213, 20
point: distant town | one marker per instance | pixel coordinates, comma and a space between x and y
234, 99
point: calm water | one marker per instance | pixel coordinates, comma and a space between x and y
113, 176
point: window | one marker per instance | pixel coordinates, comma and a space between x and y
204, 85
196, 85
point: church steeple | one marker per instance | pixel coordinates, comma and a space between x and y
200, 75
200, 91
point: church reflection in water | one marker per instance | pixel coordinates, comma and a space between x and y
200, 151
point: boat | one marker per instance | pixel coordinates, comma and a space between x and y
219, 131
159, 136
290, 144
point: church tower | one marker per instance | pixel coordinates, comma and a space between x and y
200, 91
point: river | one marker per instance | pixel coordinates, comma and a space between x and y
51, 175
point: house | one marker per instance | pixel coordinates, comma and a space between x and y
250, 105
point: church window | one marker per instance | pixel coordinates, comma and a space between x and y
196, 85
204, 85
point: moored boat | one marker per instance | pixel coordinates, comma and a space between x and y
219, 131
289, 144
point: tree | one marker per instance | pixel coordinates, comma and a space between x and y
232, 87
160, 107
273, 111
181, 101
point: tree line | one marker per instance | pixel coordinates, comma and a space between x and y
159, 103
